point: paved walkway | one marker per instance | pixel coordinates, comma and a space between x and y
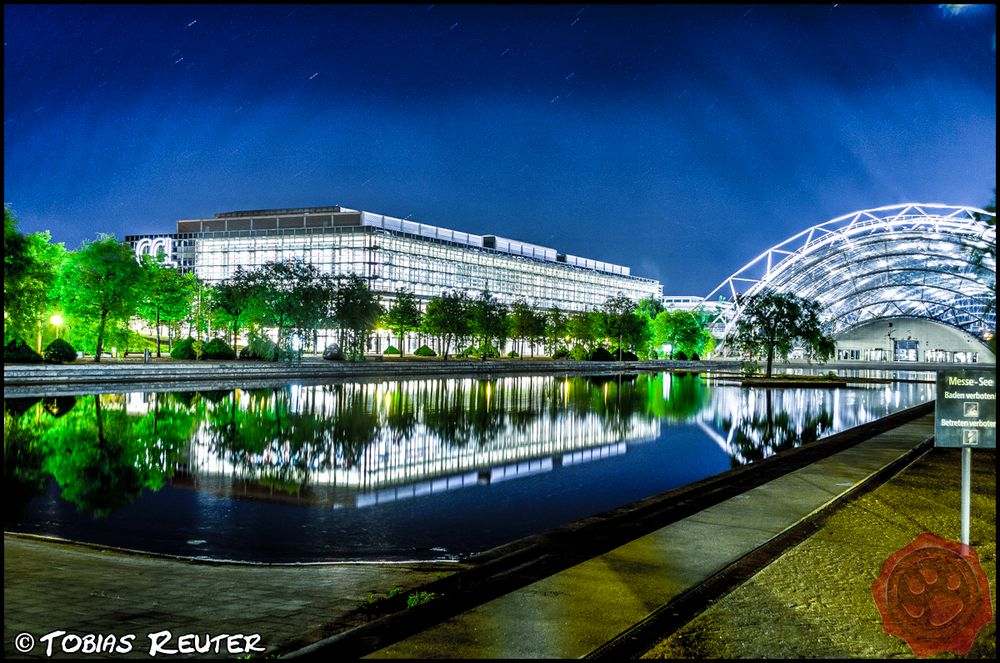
572, 613
51, 586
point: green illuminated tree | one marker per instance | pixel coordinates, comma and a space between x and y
525, 324
101, 282
31, 268
238, 302
489, 323
167, 295
582, 328
357, 310
402, 317
618, 320
686, 332
555, 329
448, 318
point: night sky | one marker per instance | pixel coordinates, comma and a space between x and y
679, 140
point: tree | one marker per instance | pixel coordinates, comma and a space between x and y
357, 310
167, 295
402, 317
649, 307
647, 310
523, 323
618, 320
772, 322
685, 331
582, 328
489, 323
101, 282
31, 268
555, 329
291, 296
239, 300
447, 317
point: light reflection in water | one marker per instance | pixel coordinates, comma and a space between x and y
387, 448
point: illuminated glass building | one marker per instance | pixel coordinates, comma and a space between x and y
904, 283
394, 254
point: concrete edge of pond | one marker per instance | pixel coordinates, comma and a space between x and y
77, 379
29, 380
513, 566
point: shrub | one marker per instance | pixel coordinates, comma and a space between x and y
468, 352
562, 352
680, 356
626, 355
579, 352
333, 352
391, 350
17, 352
59, 352
184, 349
260, 347
424, 351
217, 349
695, 357
512, 354
600, 353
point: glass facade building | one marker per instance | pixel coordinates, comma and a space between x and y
393, 254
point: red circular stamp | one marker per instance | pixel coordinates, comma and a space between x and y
934, 595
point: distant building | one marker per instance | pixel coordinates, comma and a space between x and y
393, 254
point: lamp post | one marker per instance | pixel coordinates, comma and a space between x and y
56, 321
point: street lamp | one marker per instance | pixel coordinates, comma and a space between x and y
57, 321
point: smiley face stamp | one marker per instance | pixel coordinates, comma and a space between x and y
933, 594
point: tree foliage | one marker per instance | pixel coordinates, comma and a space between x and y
357, 311
619, 322
31, 267
167, 294
555, 330
102, 283
488, 323
771, 323
525, 324
582, 328
686, 332
403, 317
447, 317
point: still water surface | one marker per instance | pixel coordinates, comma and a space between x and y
414, 469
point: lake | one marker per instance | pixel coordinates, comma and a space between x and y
395, 469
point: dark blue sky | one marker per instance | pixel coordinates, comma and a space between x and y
679, 140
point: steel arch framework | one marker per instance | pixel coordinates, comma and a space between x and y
913, 260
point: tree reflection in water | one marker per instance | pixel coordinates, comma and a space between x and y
106, 450
101, 456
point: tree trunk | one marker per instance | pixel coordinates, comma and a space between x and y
157, 334
770, 360
100, 337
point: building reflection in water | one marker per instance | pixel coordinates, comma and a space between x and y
362, 444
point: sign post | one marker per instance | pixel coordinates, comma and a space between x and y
965, 417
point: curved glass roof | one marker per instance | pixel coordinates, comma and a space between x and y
913, 260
